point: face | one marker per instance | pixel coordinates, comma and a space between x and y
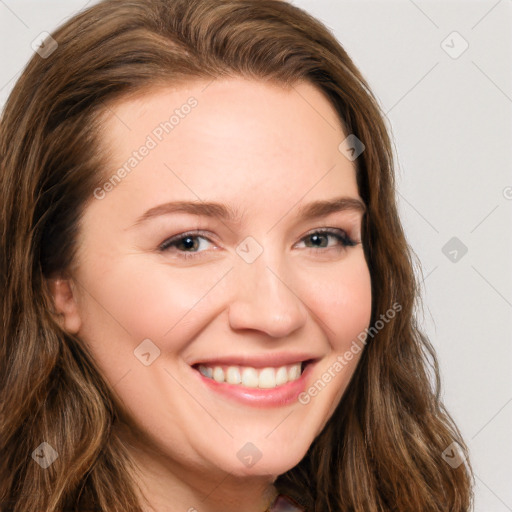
220, 279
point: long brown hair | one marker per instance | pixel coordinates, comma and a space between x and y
382, 449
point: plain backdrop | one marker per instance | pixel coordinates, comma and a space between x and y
442, 72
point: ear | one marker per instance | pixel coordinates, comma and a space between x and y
64, 295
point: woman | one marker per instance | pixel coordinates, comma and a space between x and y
207, 293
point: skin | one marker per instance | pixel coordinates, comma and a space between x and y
265, 150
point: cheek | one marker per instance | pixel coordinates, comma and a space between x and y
137, 299
342, 303
142, 299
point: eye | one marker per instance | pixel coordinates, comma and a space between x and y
187, 245
320, 236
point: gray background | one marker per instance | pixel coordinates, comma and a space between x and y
450, 118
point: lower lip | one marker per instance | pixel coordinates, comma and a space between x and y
257, 397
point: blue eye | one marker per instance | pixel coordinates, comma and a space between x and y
186, 245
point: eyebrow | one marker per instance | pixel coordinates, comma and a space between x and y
309, 211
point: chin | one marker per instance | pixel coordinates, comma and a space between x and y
263, 459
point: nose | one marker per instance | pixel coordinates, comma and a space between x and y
264, 299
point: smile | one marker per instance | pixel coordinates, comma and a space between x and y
263, 378
259, 385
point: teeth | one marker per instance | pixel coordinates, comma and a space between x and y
294, 372
265, 378
250, 377
233, 375
207, 372
218, 374
282, 376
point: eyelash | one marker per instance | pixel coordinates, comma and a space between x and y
339, 234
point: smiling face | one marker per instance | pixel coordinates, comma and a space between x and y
173, 299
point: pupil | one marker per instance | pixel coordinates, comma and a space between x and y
317, 237
189, 242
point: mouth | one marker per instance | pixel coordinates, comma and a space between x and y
269, 377
258, 385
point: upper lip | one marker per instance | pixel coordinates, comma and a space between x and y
256, 361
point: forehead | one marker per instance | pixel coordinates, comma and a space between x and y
236, 114
227, 140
